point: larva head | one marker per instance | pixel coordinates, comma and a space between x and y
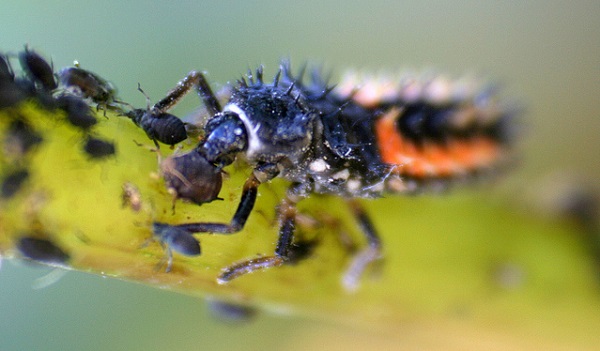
268, 122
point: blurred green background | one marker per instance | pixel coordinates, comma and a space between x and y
545, 53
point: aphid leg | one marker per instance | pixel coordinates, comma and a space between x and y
155, 149
365, 256
145, 95
166, 259
193, 78
169, 254
283, 251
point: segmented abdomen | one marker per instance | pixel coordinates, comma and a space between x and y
434, 128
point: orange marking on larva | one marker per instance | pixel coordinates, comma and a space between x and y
430, 159
440, 157
391, 146
475, 153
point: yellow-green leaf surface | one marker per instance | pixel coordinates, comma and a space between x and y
497, 273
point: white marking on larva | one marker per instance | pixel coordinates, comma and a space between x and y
254, 143
318, 166
438, 90
396, 184
411, 90
343, 174
353, 185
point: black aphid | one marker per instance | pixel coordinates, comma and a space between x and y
229, 311
159, 125
10, 92
87, 84
177, 239
13, 182
41, 250
98, 149
78, 111
38, 69
6, 72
